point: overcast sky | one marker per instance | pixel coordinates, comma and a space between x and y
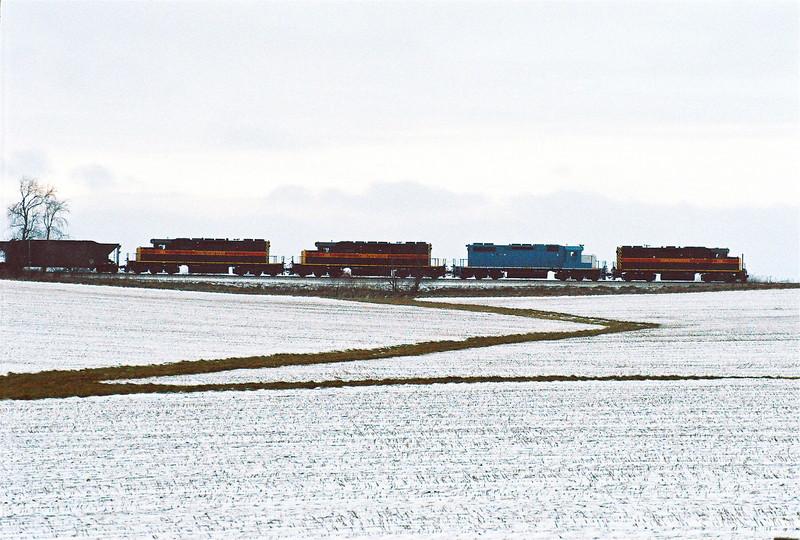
615, 122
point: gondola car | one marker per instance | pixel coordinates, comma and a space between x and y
400, 259
59, 254
205, 256
678, 263
528, 261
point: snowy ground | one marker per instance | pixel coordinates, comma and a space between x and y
750, 333
714, 459
650, 459
64, 326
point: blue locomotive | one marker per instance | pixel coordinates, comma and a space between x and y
528, 261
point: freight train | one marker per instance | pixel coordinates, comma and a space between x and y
379, 259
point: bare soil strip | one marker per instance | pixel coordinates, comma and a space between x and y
166, 388
99, 381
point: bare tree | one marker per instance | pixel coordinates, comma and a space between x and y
39, 212
54, 223
24, 214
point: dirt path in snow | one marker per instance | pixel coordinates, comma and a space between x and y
100, 381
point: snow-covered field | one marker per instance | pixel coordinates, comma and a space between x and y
64, 326
748, 333
572, 460
608, 459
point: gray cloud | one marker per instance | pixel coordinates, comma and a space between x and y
255, 75
96, 177
26, 163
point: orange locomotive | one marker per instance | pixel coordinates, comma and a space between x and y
205, 255
678, 263
400, 259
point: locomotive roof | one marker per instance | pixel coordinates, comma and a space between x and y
369, 242
165, 240
523, 245
645, 246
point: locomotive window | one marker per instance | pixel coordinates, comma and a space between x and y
553, 248
522, 248
484, 249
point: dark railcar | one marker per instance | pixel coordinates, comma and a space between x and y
678, 263
401, 259
206, 256
60, 254
528, 261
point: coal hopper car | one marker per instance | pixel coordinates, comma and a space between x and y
399, 259
59, 254
673, 263
205, 256
487, 260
